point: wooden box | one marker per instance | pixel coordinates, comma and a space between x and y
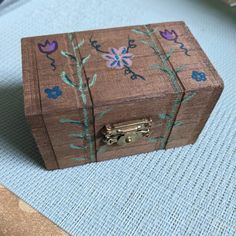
97, 95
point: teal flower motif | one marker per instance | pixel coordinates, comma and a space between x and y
199, 76
54, 92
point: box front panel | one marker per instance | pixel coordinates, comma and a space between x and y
162, 112
73, 143
134, 81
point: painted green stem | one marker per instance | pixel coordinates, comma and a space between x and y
80, 88
172, 75
164, 59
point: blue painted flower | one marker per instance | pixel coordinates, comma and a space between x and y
199, 76
53, 93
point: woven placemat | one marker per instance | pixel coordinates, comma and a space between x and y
183, 191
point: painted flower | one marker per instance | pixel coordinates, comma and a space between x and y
48, 47
53, 93
118, 58
169, 35
199, 76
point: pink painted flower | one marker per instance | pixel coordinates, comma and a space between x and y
118, 58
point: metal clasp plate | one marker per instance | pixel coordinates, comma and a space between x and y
127, 132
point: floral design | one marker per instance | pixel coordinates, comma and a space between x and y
54, 92
169, 35
199, 76
48, 48
173, 36
118, 58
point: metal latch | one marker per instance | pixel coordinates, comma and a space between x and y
127, 132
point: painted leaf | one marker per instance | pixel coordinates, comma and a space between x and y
85, 59
70, 35
102, 113
137, 31
78, 158
68, 55
145, 42
80, 44
178, 123
73, 146
153, 30
69, 121
148, 43
77, 135
189, 97
162, 116
166, 69
83, 96
154, 140
180, 68
168, 54
169, 125
65, 78
177, 101
92, 82
156, 66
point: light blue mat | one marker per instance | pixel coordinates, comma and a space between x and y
183, 191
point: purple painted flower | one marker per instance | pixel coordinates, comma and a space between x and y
118, 58
54, 92
169, 35
48, 47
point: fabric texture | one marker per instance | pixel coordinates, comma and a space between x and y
184, 191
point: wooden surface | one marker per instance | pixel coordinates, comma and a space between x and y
163, 88
20, 219
193, 113
32, 105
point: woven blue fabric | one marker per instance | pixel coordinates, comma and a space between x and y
184, 191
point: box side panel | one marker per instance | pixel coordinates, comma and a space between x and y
200, 80
32, 105
193, 114
65, 99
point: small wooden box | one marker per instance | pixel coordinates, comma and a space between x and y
102, 94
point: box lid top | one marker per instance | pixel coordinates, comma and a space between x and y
101, 67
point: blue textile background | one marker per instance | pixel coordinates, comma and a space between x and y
183, 191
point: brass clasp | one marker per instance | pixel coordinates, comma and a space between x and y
127, 132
